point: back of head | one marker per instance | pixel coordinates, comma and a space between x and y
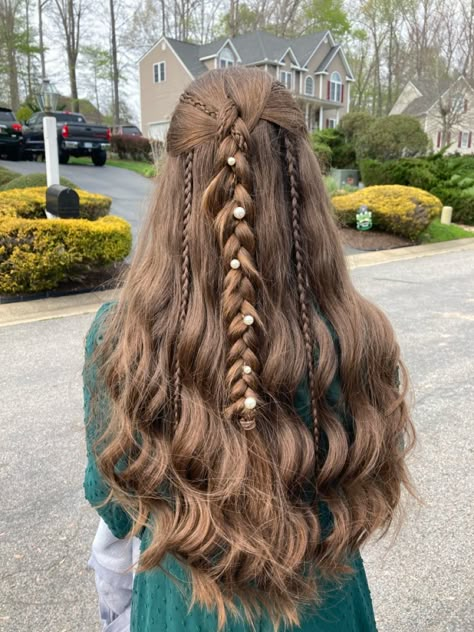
239, 284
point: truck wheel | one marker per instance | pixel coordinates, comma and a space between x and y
63, 157
15, 153
99, 157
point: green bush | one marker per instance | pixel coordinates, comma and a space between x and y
355, 124
6, 175
31, 203
462, 201
33, 180
131, 147
392, 137
342, 153
403, 211
324, 155
36, 255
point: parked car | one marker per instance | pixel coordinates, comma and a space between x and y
11, 134
76, 137
127, 130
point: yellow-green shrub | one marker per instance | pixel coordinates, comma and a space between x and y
400, 210
30, 203
36, 255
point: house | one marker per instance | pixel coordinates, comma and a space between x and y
313, 67
445, 110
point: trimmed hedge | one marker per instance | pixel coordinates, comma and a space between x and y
31, 203
404, 211
6, 175
449, 178
36, 255
33, 180
131, 147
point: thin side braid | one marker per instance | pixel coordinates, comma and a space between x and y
185, 276
302, 285
190, 100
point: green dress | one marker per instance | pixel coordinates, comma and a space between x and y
158, 605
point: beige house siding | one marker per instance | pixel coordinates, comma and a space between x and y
408, 94
158, 100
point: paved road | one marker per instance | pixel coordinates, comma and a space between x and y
422, 584
129, 191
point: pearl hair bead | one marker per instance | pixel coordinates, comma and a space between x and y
246, 369
231, 161
235, 264
248, 319
250, 403
239, 212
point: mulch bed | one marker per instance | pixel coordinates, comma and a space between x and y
372, 239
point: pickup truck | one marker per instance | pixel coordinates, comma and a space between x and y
11, 134
76, 137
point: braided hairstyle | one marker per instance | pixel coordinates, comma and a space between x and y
238, 284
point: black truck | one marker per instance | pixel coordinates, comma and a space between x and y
11, 134
76, 137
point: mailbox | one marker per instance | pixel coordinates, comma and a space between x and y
62, 201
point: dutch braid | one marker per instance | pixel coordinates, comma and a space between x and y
185, 275
303, 285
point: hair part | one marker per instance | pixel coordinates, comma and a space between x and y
221, 486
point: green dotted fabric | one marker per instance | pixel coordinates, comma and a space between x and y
161, 605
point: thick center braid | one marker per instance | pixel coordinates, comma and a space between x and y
230, 188
185, 276
303, 286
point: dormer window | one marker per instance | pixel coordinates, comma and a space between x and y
309, 86
286, 77
459, 104
226, 58
335, 88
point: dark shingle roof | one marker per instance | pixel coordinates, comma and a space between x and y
253, 47
430, 92
189, 55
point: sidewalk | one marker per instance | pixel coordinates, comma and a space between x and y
89, 303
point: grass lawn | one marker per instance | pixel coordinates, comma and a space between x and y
437, 231
143, 168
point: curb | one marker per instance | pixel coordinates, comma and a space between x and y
88, 303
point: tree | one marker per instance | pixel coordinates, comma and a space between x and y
70, 14
115, 70
392, 137
451, 107
41, 6
320, 15
9, 33
98, 63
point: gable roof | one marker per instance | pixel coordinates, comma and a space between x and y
335, 50
253, 48
430, 91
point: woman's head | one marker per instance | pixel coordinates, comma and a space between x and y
238, 285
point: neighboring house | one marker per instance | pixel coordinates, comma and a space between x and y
445, 110
313, 67
86, 108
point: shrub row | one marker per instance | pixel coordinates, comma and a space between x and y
36, 255
31, 203
404, 211
451, 179
131, 147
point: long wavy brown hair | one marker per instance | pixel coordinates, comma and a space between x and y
223, 314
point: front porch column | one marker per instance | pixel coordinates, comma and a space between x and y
307, 115
321, 117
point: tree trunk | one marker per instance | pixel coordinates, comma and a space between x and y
115, 71
41, 4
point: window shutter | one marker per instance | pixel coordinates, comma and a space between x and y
438, 142
342, 93
327, 122
469, 144
329, 90
466, 105
460, 139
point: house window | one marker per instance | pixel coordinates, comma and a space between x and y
309, 86
458, 103
159, 72
331, 123
335, 88
465, 140
226, 58
286, 78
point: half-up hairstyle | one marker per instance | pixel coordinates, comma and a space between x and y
237, 296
